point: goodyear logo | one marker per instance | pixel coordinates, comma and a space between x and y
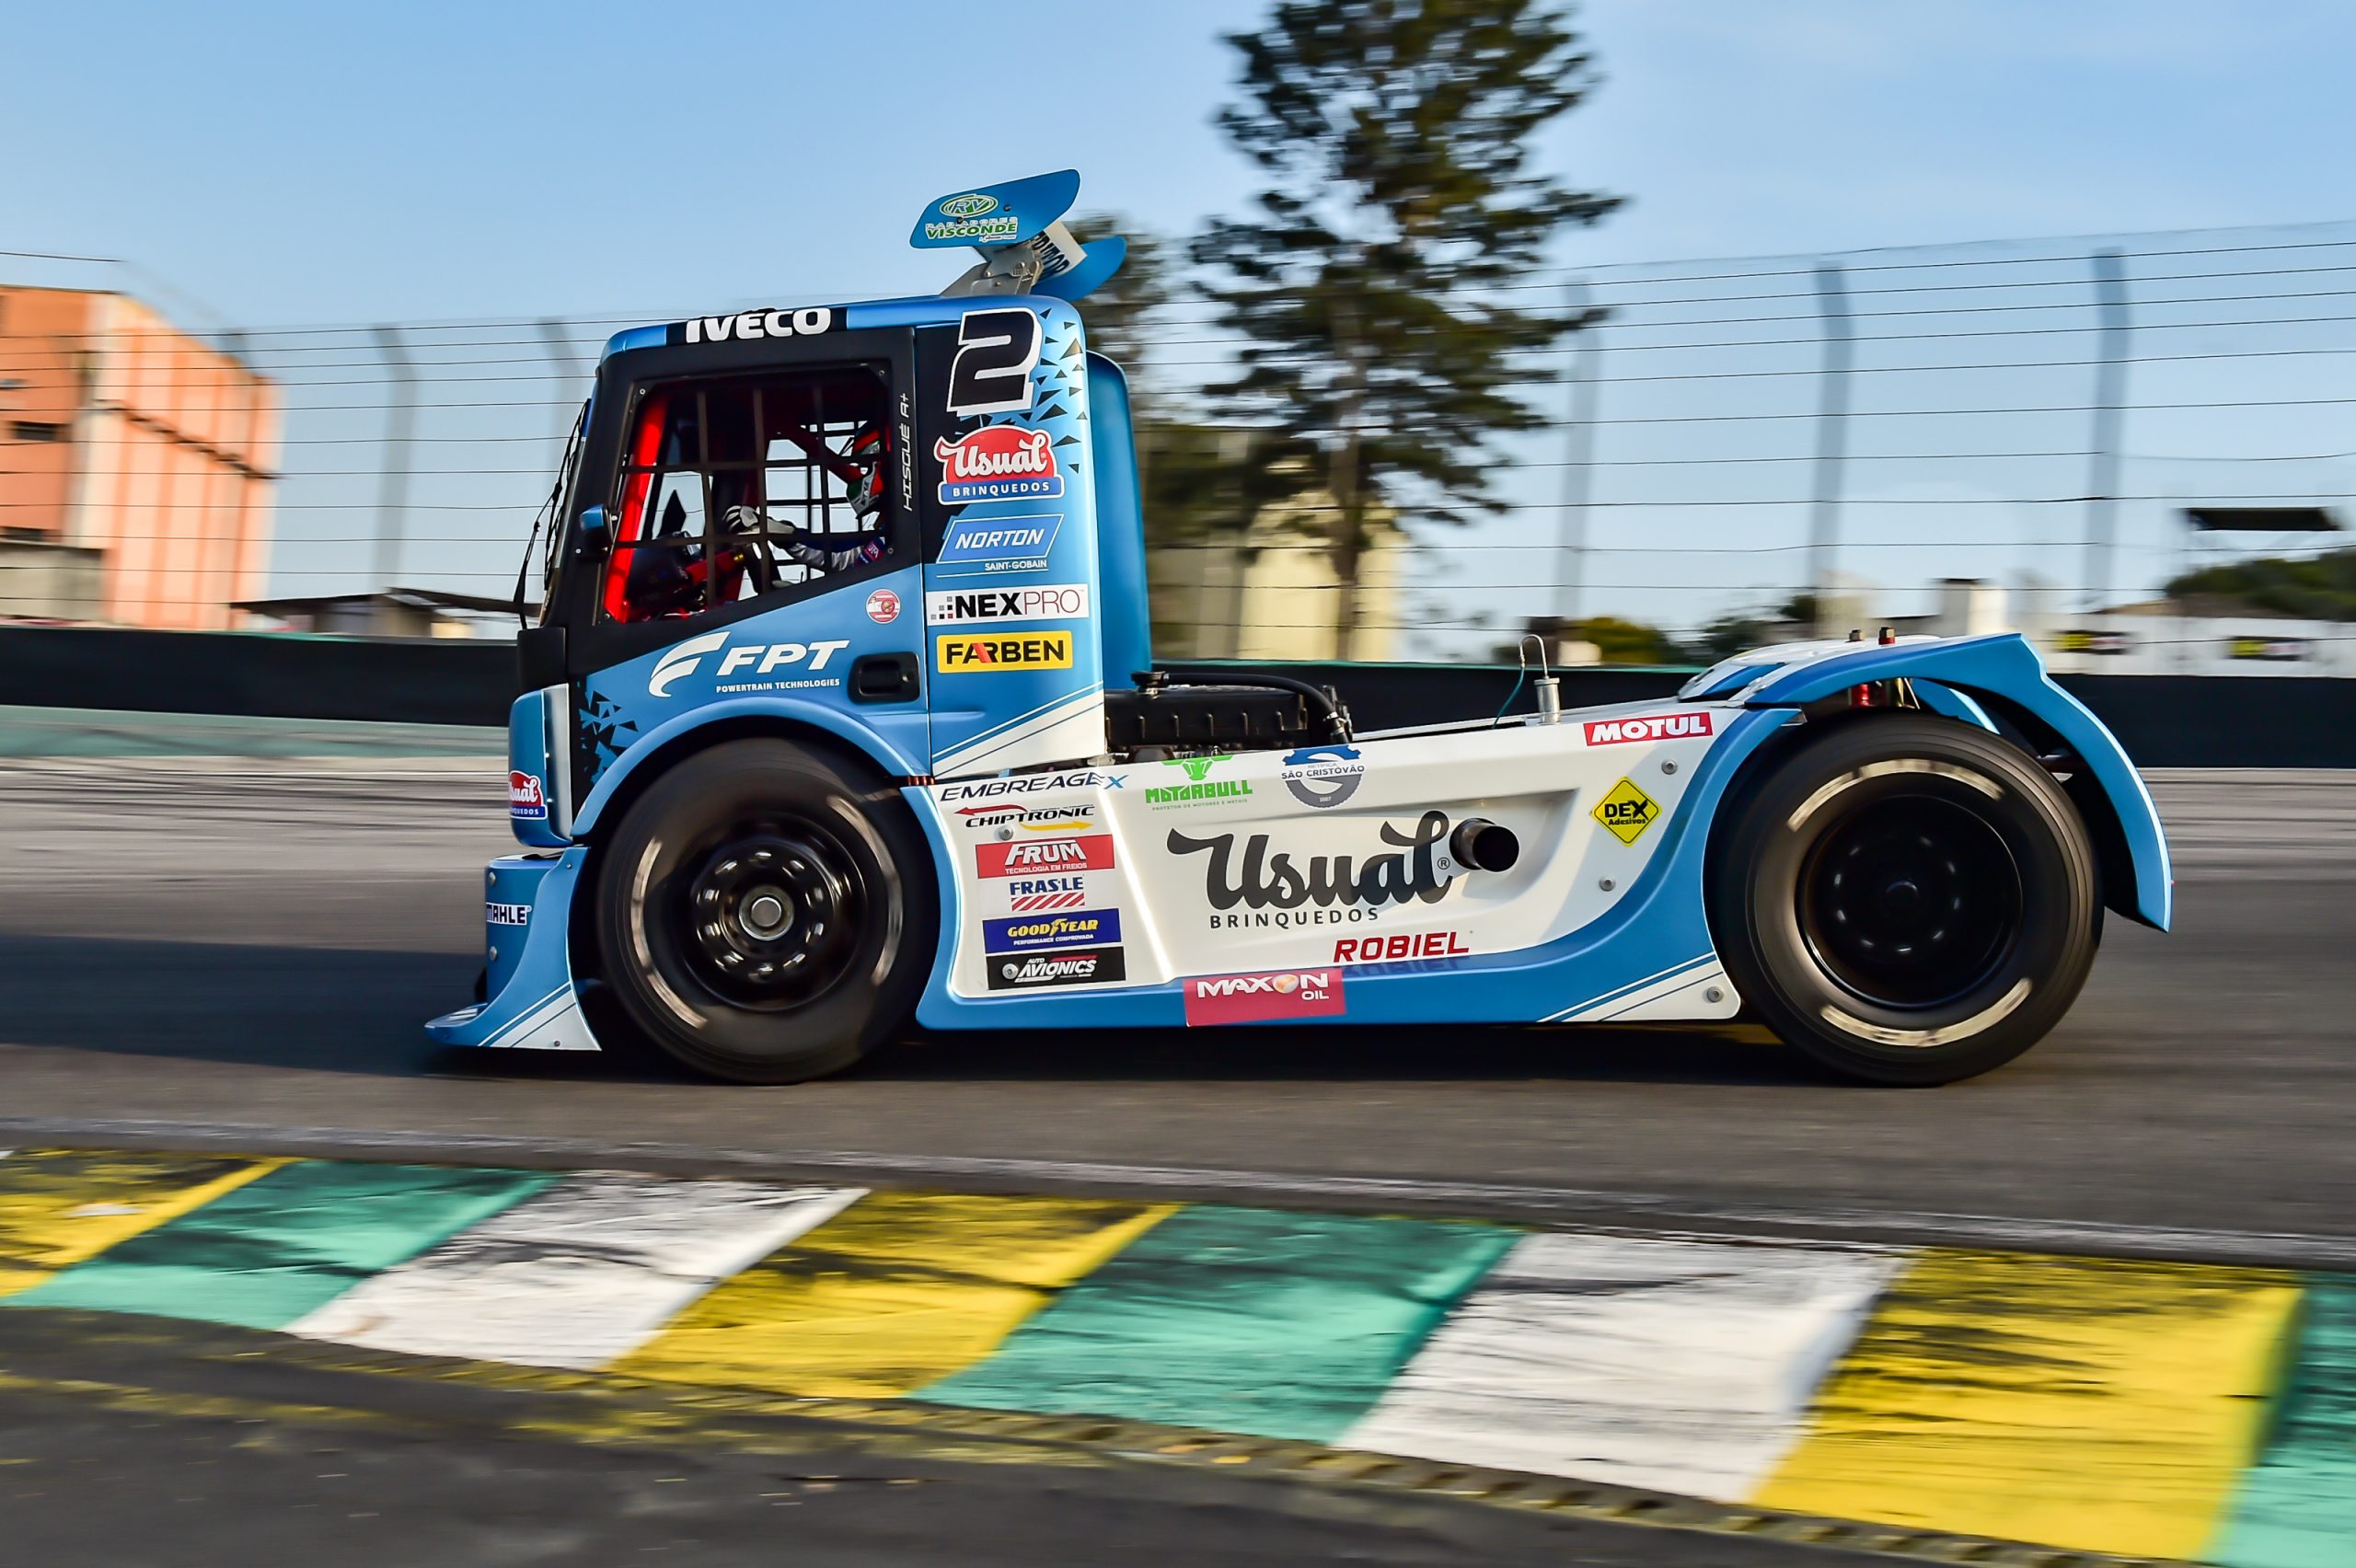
1627, 812
959, 654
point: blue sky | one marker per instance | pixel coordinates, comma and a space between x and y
290, 163
276, 165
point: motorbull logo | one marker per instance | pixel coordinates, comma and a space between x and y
1414, 873
998, 463
1651, 727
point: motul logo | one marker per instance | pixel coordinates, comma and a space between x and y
1652, 727
1091, 852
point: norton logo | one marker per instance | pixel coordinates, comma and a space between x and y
1323, 777
1627, 812
955, 654
1090, 852
1260, 999
1657, 727
526, 801
998, 463
1198, 788
972, 206
683, 660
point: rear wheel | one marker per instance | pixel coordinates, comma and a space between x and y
1908, 900
764, 913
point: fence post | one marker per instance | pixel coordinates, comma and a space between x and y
400, 425
1839, 336
1585, 371
2110, 393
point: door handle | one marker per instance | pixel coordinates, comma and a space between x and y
883, 677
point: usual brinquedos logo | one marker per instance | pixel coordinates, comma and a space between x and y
1323, 777
526, 801
998, 463
1198, 787
1281, 889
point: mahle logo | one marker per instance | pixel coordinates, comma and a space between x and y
969, 206
1200, 786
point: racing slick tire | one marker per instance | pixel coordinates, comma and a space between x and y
764, 912
1908, 900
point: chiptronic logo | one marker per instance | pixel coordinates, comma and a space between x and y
1652, 727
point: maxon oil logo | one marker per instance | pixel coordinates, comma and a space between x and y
1089, 852
1651, 727
525, 799
1262, 998
958, 653
998, 463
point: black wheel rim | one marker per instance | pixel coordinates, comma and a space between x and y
1911, 901
772, 914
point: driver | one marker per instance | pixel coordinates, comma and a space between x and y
862, 470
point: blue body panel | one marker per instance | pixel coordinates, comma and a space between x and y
530, 983
2004, 666
527, 754
1124, 614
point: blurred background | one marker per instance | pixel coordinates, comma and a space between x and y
1963, 317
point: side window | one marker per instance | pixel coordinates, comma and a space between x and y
739, 487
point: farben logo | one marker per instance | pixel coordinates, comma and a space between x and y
958, 654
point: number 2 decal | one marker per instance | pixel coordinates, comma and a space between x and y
996, 353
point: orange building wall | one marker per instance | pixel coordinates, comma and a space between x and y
170, 469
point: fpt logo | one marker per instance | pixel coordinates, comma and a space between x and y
998, 463
1262, 998
1087, 852
753, 658
1651, 727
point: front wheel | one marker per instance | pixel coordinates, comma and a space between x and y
764, 912
1908, 900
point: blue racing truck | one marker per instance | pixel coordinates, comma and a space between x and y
842, 711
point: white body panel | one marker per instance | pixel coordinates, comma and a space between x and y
1169, 849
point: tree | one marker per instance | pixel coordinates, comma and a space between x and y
2317, 588
1367, 285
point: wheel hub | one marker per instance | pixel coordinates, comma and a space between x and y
772, 914
1910, 901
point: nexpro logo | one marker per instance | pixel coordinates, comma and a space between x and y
684, 660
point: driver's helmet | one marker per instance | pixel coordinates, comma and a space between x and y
868, 449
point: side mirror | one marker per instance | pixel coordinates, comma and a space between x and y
593, 533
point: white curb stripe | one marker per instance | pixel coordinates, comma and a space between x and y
1674, 1366
578, 1275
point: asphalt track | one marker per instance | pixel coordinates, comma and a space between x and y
247, 947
